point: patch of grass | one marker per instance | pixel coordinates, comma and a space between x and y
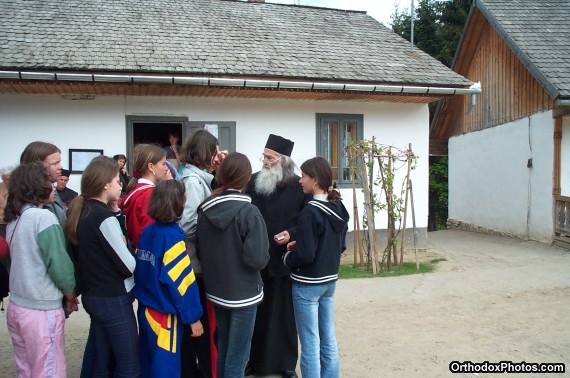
435, 261
349, 271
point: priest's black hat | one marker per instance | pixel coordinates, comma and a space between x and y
280, 144
64, 172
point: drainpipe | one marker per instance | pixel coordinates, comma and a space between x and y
238, 83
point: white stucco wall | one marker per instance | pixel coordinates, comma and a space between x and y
490, 184
101, 124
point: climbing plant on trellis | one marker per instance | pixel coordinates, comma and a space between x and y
375, 166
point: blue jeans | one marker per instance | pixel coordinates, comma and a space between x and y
114, 336
314, 315
235, 329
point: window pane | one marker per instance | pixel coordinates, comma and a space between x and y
349, 134
330, 144
334, 132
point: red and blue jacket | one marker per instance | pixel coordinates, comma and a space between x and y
164, 279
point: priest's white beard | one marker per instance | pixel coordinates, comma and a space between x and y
267, 180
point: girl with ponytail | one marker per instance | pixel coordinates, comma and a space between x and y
149, 168
314, 259
106, 269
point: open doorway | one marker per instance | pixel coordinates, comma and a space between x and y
155, 133
155, 129
152, 130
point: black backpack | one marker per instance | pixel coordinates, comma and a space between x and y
4, 279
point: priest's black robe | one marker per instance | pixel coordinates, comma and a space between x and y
274, 343
67, 195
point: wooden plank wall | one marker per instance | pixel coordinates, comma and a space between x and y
509, 91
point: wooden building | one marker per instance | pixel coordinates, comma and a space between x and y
509, 148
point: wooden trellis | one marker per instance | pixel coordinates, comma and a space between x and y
375, 166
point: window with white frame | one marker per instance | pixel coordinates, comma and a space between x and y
334, 131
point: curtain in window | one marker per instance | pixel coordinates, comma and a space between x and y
349, 134
330, 144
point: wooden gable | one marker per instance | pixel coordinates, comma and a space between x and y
509, 90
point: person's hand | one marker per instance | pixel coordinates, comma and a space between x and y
222, 155
217, 159
71, 303
282, 238
197, 329
291, 246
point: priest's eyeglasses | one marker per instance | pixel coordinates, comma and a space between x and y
269, 159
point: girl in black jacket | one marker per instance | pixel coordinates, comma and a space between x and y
233, 248
314, 259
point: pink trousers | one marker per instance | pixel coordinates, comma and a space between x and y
39, 342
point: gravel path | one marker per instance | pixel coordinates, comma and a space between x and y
493, 299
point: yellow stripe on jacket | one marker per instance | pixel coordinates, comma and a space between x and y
164, 327
184, 262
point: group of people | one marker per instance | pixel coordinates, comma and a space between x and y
225, 266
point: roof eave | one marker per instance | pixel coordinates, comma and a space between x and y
253, 83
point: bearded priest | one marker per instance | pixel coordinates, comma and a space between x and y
276, 191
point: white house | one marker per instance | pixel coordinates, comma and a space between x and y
509, 169
105, 75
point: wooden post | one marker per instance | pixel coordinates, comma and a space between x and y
372, 218
557, 138
414, 226
354, 219
409, 153
390, 196
369, 215
357, 247
556, 183
387, 193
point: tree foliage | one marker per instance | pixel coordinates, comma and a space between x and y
438, 189
437, 26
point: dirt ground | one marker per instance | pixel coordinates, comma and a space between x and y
493, 299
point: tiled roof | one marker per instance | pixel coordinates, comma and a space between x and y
211, 37
539, 32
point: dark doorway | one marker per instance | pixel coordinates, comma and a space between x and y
155, 133
152, 130
155, 130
